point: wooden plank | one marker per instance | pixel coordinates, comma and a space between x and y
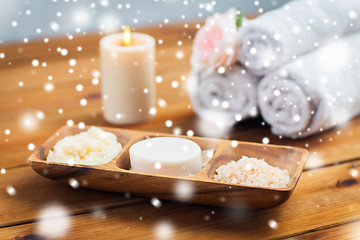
324, 198
58, 67
36, 87
34, 192
345, 231
21, 51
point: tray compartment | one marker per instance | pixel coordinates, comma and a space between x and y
124, 160
123, 136
289, 158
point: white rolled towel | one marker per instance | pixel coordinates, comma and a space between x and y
275, 37
224, 98
317, 91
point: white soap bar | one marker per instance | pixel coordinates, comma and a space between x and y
166, 156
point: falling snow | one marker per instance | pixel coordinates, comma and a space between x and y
31, 146
49, 87
158, 79
164, 230
10, 190
152, 111
221, 70
54, 26
157, 165
234, 144
354, 173
168, 123
83, 102
81, 125
273, 224
79, 87
35, 63
74, 183
177, 131
53, 221
64, 51
179, 55
156, 202
184, 190
72, 62
40, 115
99, 213
161, 102
70, 122
174, 84
190, 133
95, 81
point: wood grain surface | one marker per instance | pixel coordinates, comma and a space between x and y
325, 204
324, 198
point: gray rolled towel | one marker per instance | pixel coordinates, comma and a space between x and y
275, 37
224, 98
315, 92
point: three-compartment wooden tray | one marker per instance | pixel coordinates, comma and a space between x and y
116, 175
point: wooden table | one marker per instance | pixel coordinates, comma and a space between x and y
325, 204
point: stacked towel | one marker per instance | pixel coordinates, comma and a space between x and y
307, 53
275, 37
315, 92
224, 98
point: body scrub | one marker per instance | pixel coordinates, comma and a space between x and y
93, 147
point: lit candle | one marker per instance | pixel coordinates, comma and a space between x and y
128, 72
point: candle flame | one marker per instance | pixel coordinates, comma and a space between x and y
126, 36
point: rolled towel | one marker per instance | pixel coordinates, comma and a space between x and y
275, 37
224, 98
317, 91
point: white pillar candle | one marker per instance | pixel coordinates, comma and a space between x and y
128, 72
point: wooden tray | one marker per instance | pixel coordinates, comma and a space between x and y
115, 176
